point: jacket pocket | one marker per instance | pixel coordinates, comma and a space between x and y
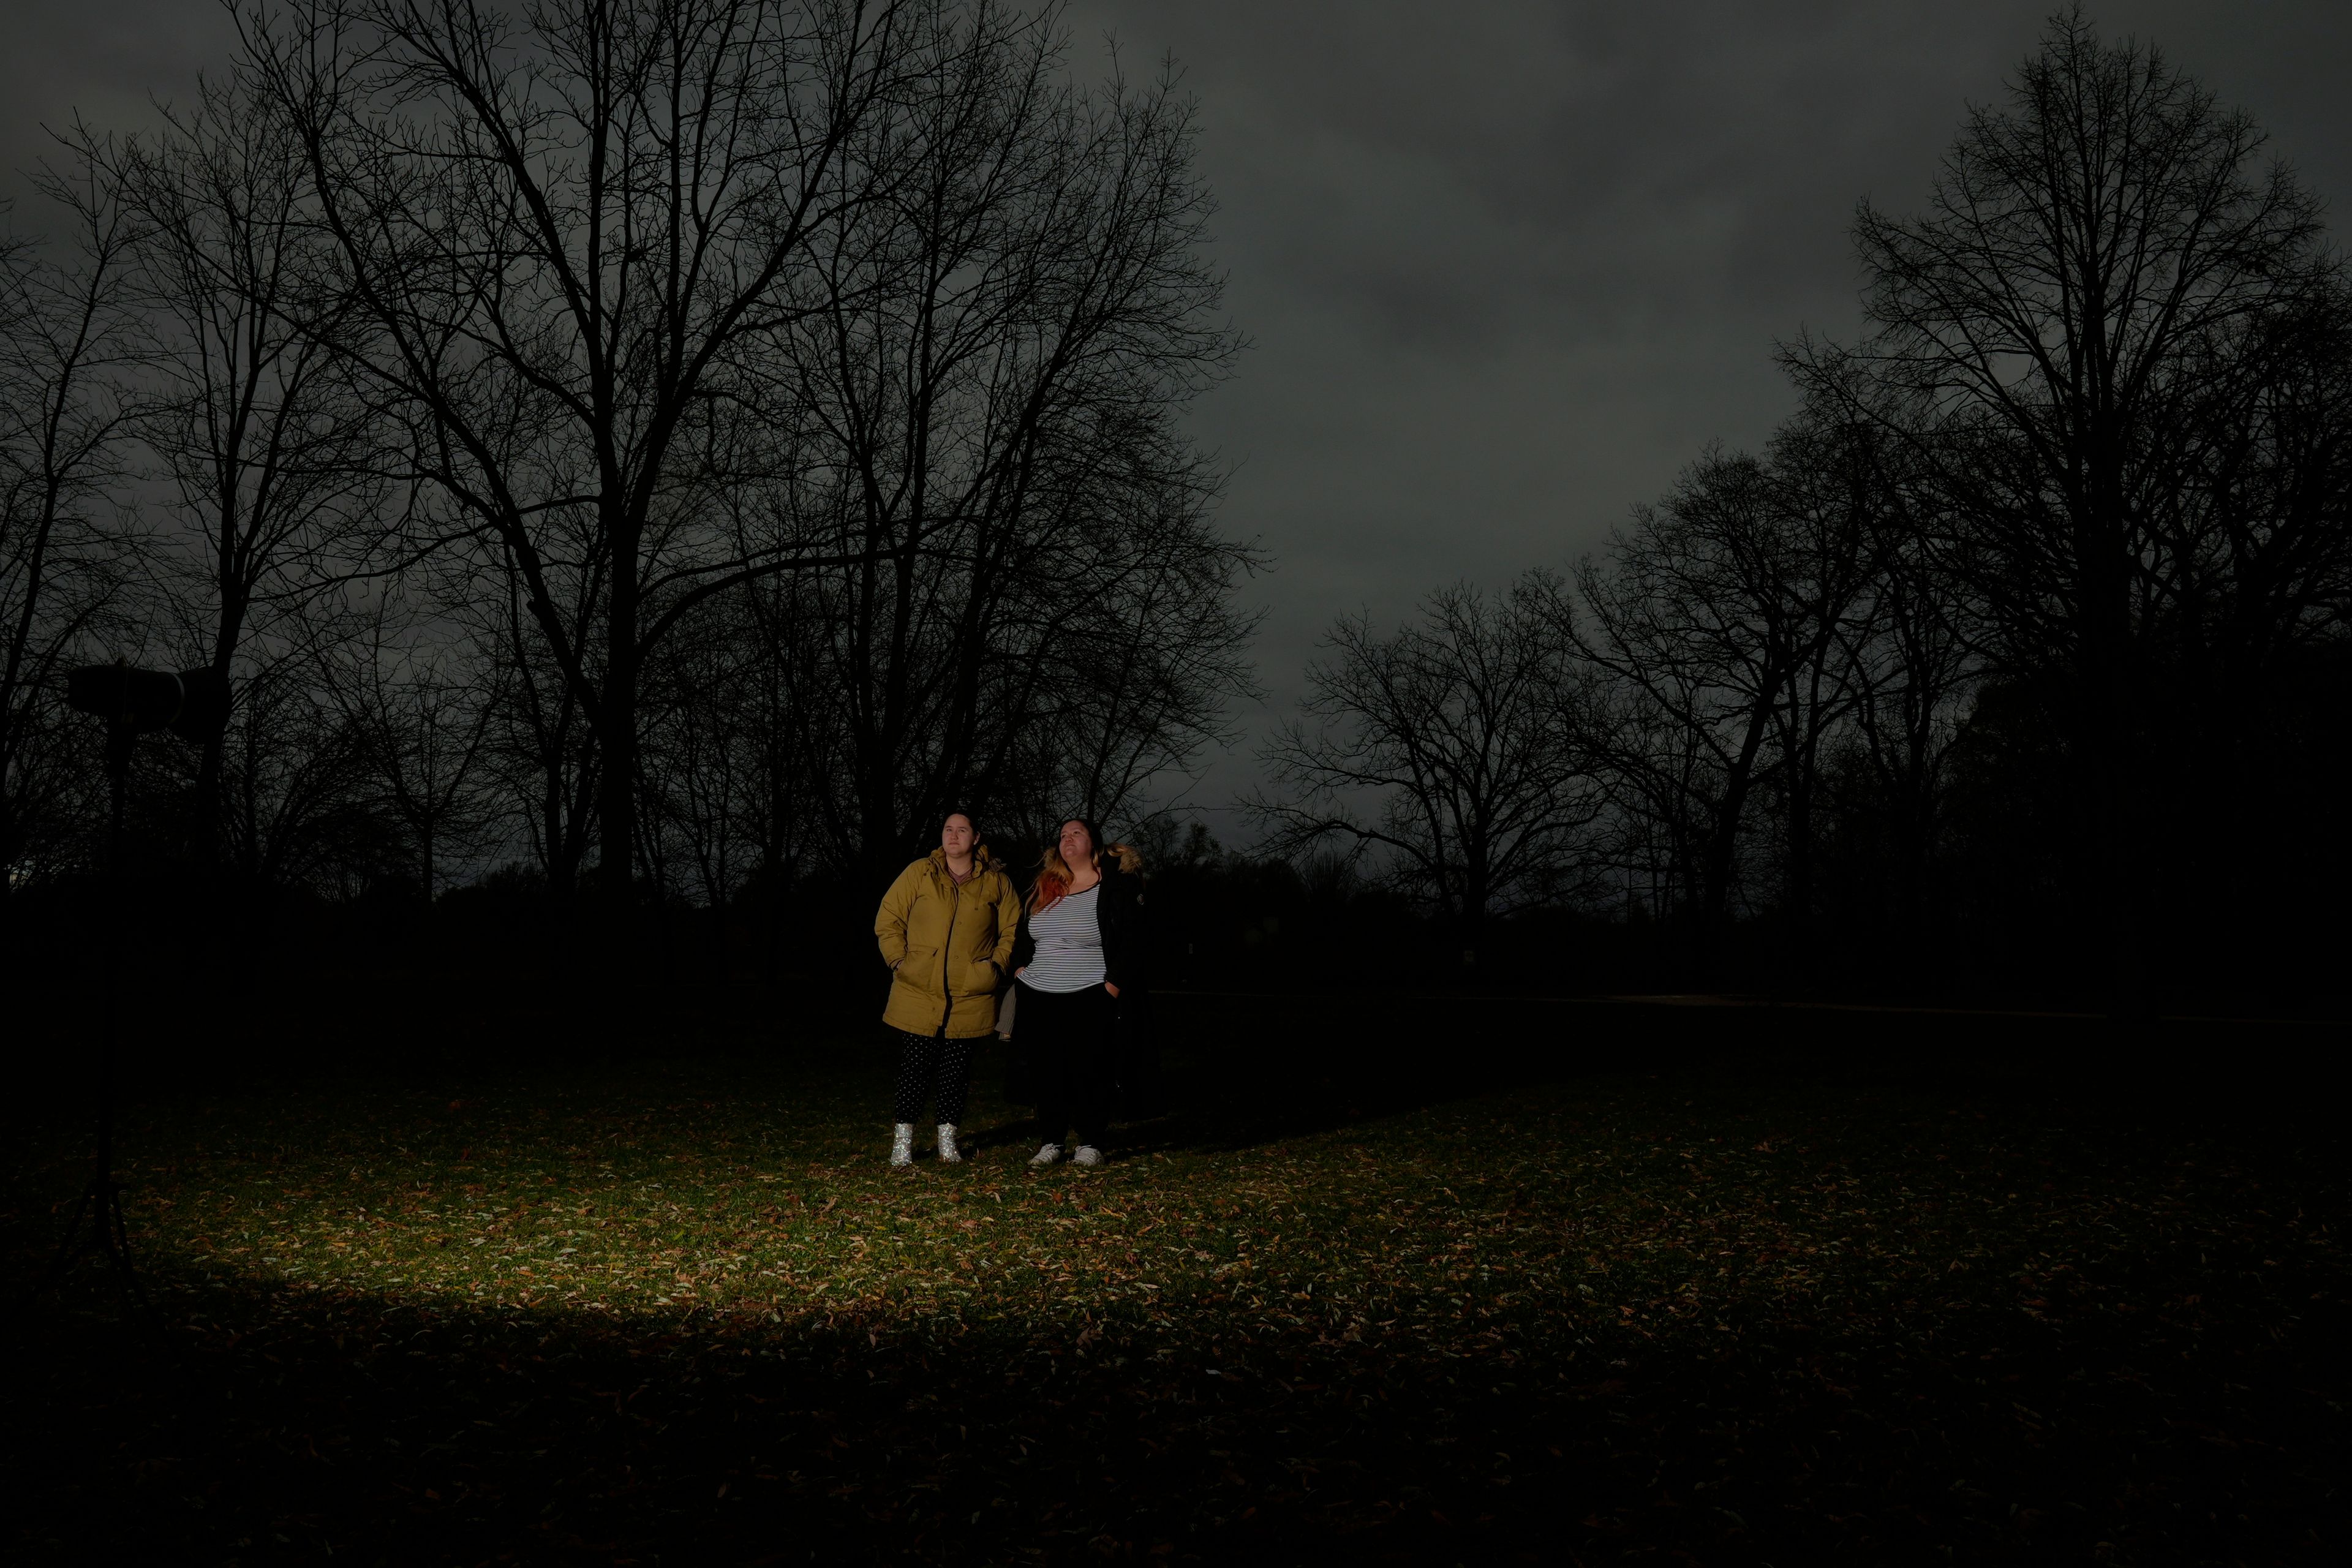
975, 977
919, 970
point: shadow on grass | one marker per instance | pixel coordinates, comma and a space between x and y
2158, 1402
1245, 1073
398, 1435
1254, 1071
289, 1425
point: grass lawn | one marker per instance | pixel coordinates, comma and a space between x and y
1419, 1283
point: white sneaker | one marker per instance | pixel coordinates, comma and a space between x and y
1088, 1154
1046, 1155
949, 1153
902, 1145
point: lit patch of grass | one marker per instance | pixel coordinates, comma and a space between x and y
611, 1316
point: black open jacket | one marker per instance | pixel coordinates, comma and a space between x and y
1125, 947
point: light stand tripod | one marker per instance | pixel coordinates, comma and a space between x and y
193, 705
102, 1196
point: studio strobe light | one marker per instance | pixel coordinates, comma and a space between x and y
193, 704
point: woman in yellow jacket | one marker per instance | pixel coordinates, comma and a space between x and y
946, 927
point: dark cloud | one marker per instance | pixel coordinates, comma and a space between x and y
1507, 266
1508, 271
106, 61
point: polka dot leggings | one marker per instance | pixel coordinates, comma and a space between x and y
924, 1062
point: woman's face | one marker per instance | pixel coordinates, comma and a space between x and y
1078, 848
956, 837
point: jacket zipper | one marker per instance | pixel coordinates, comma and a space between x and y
947, 951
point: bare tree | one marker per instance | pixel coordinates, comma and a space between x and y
1722, 615
2253, 565
1914, 672
420, 713
703, 760
304, 808
542, 748
64, 418
1838, 517
568, 237
271, 461
1137, 679
1453, 749
988, 401
2100, 274
1698, 683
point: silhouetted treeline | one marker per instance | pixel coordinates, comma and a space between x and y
2016, 661
672, 450
658, 461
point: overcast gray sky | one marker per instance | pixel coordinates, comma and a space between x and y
1507, 265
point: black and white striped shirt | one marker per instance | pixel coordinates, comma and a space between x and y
1069, 944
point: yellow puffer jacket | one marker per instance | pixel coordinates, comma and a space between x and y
947, 946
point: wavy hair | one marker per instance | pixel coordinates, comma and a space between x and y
1054, 873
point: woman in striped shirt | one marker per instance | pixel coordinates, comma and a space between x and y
1079, 947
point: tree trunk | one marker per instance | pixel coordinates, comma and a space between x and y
615, 733
2115, 796
211, 826
1723, 845
1475, 892
2109, 692
617, 815
1796, 916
